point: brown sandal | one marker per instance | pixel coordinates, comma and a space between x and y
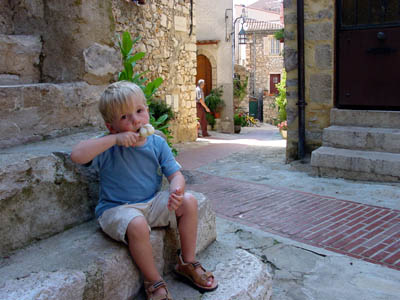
187, 272
151, 287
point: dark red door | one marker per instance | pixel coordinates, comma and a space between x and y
204, 72
274, 79
368, 57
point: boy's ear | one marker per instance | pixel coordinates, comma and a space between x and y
110, 128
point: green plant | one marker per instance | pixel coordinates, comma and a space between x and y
160, 114
280, 100
280, 34
214, 100
210, 120
239, 119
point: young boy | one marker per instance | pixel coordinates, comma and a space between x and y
130, 168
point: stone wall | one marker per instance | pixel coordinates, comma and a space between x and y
164, 26
265, 65
319, 71
79, 44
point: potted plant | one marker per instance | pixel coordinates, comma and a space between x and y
239, 120
215, 102
283, 129
280, 35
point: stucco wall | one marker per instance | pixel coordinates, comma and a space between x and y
319, 71
211, 24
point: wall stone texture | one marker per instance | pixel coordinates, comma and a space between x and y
319, 19
265, 65
78, 41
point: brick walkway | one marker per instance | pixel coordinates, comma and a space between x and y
357, 230
361, 231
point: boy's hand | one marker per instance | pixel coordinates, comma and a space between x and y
175, 199
127, 139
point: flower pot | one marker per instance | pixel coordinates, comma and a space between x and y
283, 133
237, 128
217, 115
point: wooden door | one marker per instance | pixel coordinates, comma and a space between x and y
274, 79
368, 54
204, 71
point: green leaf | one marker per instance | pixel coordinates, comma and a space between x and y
126, 42
136, 57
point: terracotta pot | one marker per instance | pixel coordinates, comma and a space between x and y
237, 128
217, 115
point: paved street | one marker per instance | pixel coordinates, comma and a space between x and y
248, 181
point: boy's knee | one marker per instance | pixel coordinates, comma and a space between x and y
190, 200
137, 228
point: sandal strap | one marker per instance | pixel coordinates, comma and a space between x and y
151, 287
190, 270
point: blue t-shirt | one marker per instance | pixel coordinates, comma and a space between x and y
133, 174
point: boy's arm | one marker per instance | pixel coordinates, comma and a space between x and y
87, 150
176, 190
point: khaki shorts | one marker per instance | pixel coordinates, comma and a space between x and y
114, 221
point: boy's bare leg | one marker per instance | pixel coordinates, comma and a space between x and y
187, 227
138, 236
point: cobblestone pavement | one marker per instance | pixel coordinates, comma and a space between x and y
248, 181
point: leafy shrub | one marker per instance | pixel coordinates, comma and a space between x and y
214, 100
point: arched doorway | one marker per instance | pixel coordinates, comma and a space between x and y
204, 71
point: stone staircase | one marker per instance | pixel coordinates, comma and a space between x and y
360, 145
51, 247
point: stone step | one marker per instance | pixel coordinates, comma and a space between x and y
365, 118
33, 112
356, 164
42, 192
19, 59
362, 138
82, 263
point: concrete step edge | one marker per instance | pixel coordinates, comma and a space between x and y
362, 138
356, 164
365, 118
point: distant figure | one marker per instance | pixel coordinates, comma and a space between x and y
201, 107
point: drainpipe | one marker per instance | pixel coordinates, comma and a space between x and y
301, 83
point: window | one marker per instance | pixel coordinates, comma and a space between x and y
275, 46
274, 79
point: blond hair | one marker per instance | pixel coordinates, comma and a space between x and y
117, 99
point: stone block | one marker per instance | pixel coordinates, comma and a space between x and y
101, 64
37, 111
102, 268
290, 59
365, 118
318, 31
58, 285
362, 138
180, 23
19, 56
356, 164
321, 88
323, 56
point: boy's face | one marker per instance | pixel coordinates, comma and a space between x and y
131, 120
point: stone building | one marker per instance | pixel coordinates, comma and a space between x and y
345, 70
264, 62
67, 52
214, 54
